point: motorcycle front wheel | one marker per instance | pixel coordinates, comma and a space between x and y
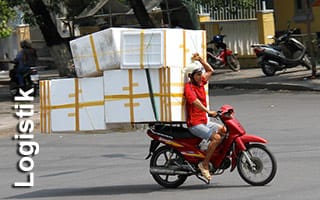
264, 165
166, 158
233, 62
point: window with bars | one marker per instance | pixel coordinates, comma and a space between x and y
302, 11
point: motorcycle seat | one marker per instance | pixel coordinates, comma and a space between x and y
276, 47
174, 131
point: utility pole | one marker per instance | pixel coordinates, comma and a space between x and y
308, 11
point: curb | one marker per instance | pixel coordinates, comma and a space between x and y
268, 86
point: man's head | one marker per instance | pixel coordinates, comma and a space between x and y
194, 71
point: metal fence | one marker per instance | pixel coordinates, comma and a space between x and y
230, 10
240, 35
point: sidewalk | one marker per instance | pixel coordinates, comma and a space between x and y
297, 78
292, 79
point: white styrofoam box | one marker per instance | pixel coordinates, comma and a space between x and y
73, 105
127, 97
97, 52
195, 42
181, 44
141, 49
155, 48
169, 88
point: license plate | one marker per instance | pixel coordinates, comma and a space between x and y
35, 77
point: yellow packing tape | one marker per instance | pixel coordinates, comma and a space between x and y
141, 48
94, 52
45, 125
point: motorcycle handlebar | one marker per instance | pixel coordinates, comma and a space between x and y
219, 113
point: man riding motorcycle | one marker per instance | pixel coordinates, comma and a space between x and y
196, 106
25, 59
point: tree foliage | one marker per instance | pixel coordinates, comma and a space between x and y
75, 7
6, 14
44, 13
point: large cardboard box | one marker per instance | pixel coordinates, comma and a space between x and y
72, 105
156, 48
97, 52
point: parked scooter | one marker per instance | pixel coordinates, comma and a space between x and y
30, 79
178, 156
220, 56
285, 52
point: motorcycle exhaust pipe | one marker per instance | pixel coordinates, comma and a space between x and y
273, 63
164, 171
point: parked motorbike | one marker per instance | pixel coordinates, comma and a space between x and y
285, 52
220, 56
179, 153
30, 79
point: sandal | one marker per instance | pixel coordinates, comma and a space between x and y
204, 171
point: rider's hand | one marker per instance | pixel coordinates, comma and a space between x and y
196, 56
212, 113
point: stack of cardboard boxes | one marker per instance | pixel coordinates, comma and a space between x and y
125, 76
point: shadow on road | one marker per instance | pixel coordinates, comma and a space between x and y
112, 190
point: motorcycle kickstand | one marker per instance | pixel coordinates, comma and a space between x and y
197, 174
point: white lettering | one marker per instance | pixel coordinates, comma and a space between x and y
26, 184
26, 126
26, 164
26, 148
25, 95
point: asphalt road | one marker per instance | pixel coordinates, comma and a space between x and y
112, 166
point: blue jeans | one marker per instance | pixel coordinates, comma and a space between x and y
21, 70
204, 131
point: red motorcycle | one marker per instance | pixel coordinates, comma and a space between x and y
178, 157
220, 56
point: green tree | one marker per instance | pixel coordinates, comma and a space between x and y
40, 12
6, 14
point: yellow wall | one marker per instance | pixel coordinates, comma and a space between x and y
23, 33
284, 11
204, 17
266, 26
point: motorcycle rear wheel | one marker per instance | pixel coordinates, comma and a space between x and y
233, 62
265, 165
166, 158
307, 62
268, 69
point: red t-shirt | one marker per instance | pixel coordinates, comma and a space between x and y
192, 92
